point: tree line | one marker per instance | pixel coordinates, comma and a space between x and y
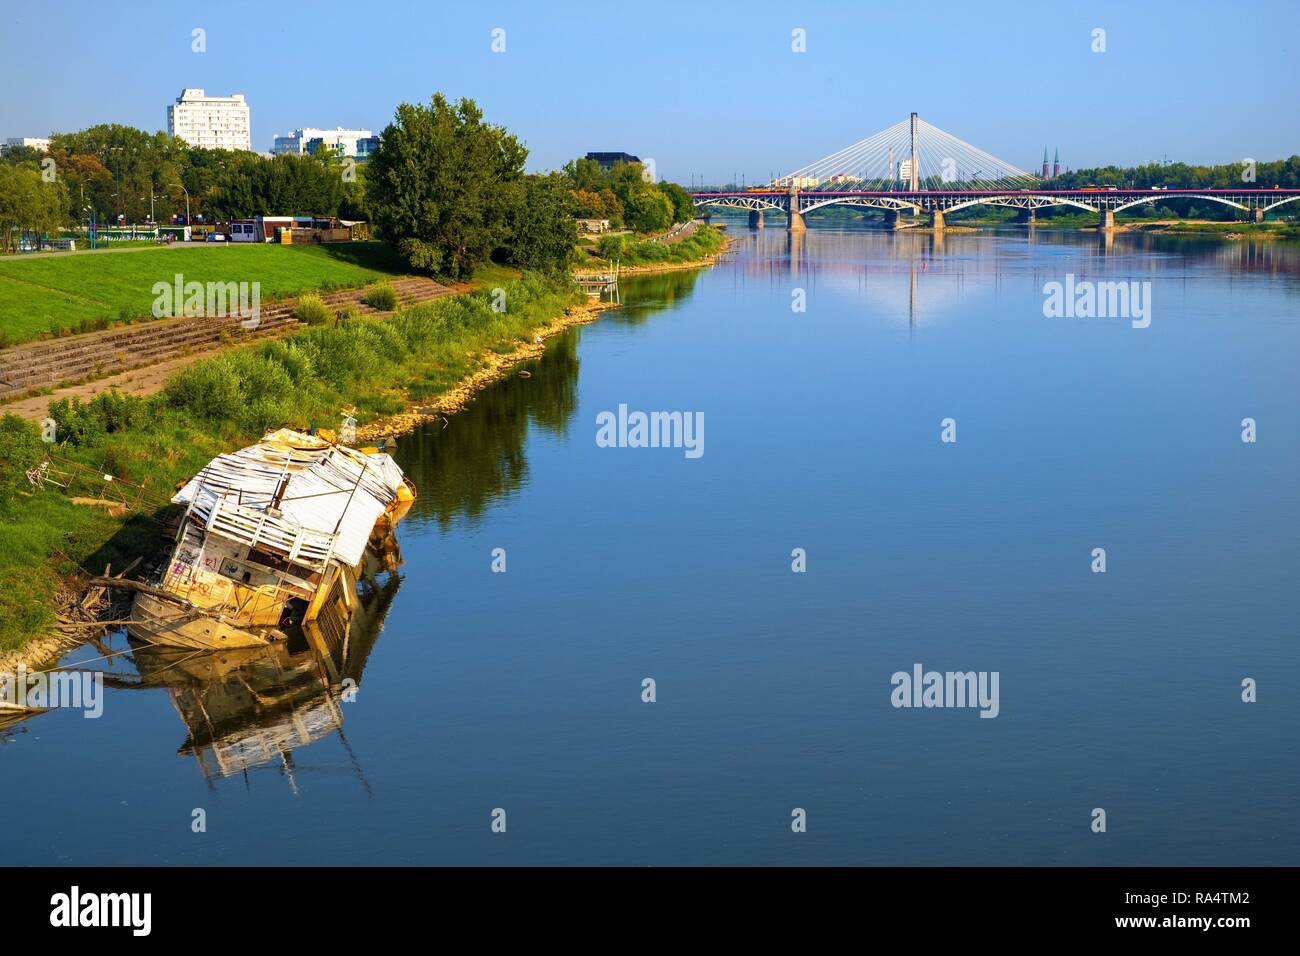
1247, 174
110, 170
445, 185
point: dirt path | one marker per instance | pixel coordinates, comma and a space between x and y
141, 381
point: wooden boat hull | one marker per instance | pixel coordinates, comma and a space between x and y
156, 621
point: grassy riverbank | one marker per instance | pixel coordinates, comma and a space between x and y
222, 403
43, 297
631, 252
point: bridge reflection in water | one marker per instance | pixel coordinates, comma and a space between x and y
939, 266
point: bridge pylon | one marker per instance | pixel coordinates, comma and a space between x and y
796, 223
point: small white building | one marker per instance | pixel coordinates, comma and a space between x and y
212, 122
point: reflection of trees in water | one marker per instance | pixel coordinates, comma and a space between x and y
648, 293
478, 456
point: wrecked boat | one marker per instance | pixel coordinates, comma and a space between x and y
273, 537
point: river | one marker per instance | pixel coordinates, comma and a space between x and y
825, 367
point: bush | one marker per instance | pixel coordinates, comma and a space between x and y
382, 297
610, 247
85, 423
311, 311
20, 449
345, 315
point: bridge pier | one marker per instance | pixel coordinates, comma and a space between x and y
891, 220
1107, 218
1257, 215
756, 219
1028, 215
796, 223
937, 223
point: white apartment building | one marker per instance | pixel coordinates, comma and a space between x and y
35, 142
213, 122
356, 143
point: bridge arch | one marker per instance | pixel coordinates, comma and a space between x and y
1010, 202
875, 202
750, 203
1280, 202
1146, 201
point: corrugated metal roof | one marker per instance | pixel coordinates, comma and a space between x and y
332, 500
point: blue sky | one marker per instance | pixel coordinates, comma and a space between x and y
703, 88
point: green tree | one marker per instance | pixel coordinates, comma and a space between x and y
29, 203
646, 208
542, 231
683, 205
285, 185
444, 184
597, 204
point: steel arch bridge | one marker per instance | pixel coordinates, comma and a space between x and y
936, 174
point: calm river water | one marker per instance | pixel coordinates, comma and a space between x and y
523, 691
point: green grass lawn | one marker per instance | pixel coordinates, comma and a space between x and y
631, 251
42, 296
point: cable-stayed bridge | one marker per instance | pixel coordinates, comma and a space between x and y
914, 168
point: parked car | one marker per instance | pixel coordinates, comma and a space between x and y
216, 237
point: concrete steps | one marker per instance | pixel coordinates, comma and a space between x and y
55, 362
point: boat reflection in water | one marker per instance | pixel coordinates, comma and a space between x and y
247, 707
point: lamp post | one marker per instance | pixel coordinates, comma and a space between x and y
117, 176
187, 201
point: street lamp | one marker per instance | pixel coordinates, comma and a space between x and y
117, 176
187, 201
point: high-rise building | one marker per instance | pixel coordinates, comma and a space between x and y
213, 122
1056, 163
354, 143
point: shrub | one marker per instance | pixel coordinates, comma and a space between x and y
311, 311
345, 315
85, 423
610, 247
382, 297
20, 449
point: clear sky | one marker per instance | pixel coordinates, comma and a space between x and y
705, 88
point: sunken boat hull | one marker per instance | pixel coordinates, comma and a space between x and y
273, 537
